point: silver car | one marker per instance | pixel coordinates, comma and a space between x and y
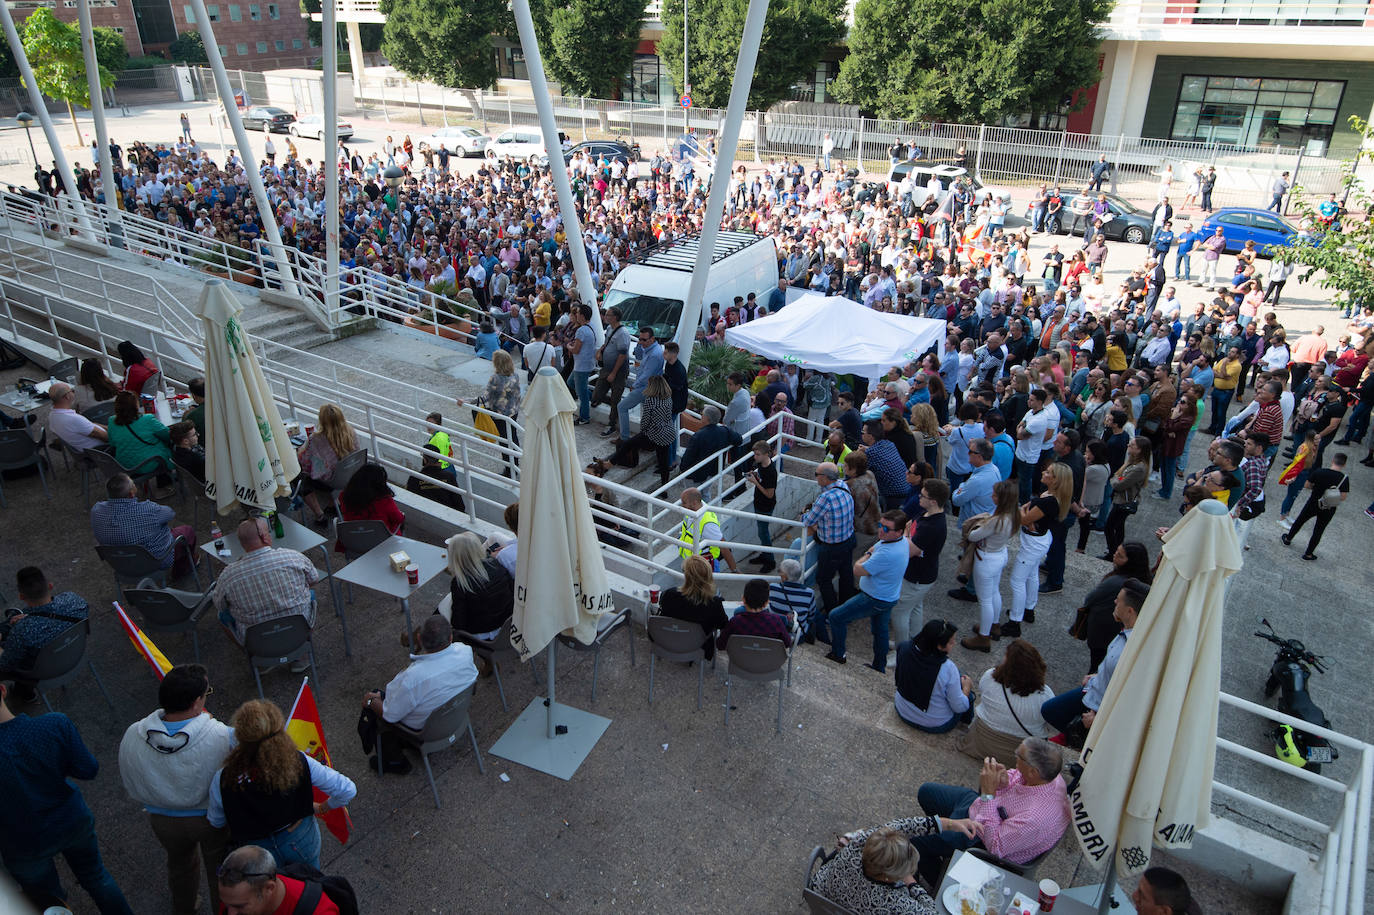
462, 141
312, 125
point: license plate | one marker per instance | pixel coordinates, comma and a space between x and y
1319, 754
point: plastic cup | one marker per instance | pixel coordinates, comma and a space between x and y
653, 595
1049, 892
413, 574
309, 431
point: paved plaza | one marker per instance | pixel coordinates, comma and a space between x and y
672, 811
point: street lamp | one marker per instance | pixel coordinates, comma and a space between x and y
26, 119
392, 175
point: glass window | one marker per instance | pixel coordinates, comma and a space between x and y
1321, 116
212, 10
1301, 85
223, 50
254, 12
235, 13
1192, 89
1274, 84
1235, 219
190, 14
279, 45
296, 43
1270, 98
1243, 97
262, 47
1328, 95
1220, 82
273, 11
241, 49
314, 43
1247, 83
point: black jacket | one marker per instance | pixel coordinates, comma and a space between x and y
708, 441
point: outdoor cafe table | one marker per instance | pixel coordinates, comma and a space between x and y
22, 403
1064, 905
299, 538
372, 570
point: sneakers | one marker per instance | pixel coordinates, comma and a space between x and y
1310, 557
1047, 588
1287, 539
1369, 512
831, 656
1285, 523
582, 422
966, 595
608, 431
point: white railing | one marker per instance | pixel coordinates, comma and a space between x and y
1132, 15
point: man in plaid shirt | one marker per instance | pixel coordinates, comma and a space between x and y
830, 519
267, 583
125, 520
1253, 470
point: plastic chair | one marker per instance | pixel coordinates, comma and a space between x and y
169, 610
343, 472
440, 731
64, 370
100, 413
1026, 870
755, 658
19, 449
151, 385
195, 489
276, 642
109, 466
621, 621
815, 902
133, 564
496, 651
676, 640
59, 662
357, 538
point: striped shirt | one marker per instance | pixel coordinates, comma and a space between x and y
832, 514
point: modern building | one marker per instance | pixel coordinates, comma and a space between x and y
251, 36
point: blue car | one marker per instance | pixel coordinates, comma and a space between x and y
1241, 224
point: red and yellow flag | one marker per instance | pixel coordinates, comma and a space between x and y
303, 724
143, 644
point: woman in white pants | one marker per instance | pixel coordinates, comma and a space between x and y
990, 540
1038, 517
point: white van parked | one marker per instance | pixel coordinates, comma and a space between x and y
520, 143
652, 291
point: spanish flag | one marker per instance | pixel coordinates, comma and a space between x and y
303, 724
143, 644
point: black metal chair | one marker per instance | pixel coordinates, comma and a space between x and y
273, 643
167, 610
676, 640
621, 622
19, 449
440, 731
59, 662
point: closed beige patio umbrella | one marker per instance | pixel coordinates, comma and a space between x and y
249, 460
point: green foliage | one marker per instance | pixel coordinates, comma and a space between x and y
442, 41
54, 51
1342, 262
369, 32
8, 68
588, 45
969, 60
110, 50
795, 36
188, 48
711, 365
146, 62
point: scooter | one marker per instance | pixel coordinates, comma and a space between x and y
1293, 665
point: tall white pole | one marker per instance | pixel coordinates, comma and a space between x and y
686, 80
113, 197
720, 176
231, 111
331, 157
64, 169
572, 226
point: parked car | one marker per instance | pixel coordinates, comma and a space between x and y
462, 141
1129, 222
312, 125
947, 176
1241, 224
519, 143
611, 149
265, 118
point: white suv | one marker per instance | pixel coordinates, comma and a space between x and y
520, 143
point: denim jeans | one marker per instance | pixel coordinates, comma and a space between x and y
766, 539
1054, 559
833, 558
1221, 400
36, 874
1064, 709
1024, 472
856, 608
1168, 472
628, 403
1359, 421
935, 850
1183, 267
301, 844
1294, 490
582, 389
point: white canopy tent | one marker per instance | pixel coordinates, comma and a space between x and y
835, 334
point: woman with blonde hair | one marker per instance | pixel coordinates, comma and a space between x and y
332, 440
482, 593
502, 397
926, 425
863, 487
696, 601
264, 791
989, 541
1038, 517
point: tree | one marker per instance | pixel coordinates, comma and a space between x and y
970, 60
1340, 261
110, 49
369, 32
588, 45
8, 68
446, 42
54, 51
795, 35
188, 48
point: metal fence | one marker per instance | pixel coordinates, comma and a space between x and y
1009, 156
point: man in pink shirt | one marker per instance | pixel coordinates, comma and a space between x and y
1017, 814
1308, 351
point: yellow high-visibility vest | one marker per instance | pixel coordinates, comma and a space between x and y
690, 534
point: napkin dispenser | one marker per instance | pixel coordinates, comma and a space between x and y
399, 560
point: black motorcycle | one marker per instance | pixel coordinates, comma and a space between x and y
1293, 666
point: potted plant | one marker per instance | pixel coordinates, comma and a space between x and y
711, 365
441, 314
213, 262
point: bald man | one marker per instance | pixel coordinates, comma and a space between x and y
702, 527
266, 583
76, 431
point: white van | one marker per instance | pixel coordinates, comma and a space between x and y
653, 290
520, 143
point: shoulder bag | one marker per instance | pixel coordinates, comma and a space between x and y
1332, 497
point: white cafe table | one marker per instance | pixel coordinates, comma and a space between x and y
299, 538
22, 403
972, 870
372, 570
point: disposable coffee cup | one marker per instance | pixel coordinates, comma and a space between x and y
1049, 892
309, 431
413, 574
653, 595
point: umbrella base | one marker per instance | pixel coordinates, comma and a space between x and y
527, 742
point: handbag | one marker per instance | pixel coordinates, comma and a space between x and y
1131, 507
1079, 627
486, 427
1332, 497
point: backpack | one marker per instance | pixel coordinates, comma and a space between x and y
337, 889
